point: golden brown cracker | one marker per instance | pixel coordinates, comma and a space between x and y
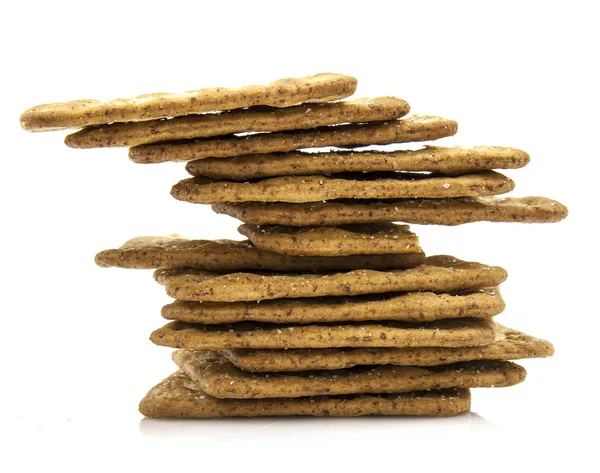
449, 161
246, 120
281, 93
395, 131
455, 211
179, 397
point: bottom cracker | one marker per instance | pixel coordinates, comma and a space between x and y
177, 396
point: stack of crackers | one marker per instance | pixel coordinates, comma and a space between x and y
330, 307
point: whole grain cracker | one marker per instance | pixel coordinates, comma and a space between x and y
281, 93
409, 307
246, 120
455, 211
179, 397
219, 378
377, 238
509, 345
229, 255
440, 274
449, 161
441, 333
318, 188
396, 131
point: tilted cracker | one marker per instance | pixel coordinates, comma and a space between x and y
409, 307
179, 397
450, 161
219, 378
246, 120
383, 238
455, 211
229, 255
440, 274
281, 93
318, 188
509, 345
396, 131
441, 333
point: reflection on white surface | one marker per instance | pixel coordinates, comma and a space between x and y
231, 429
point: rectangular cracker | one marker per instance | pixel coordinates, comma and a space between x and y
397, 131
179, 397
449, 161
391, 185
375, 238
440, 273
229, 255
281, 93
246, 120
454, 211
509, 345
442, 333
409, 307
219, 378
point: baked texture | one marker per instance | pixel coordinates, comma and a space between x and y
449, 161
229, 255
509, 345
409, 307
439, 274
219, 378
442, 333
281, 93
392, 185
377, 238
455, 211
396, 131
245, 120
179, 397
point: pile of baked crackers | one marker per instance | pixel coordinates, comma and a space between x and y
330, 307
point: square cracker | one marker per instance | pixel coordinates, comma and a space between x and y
509, 345
178, 396
442, 333
219, 378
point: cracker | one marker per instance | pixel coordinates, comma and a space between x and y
409, 307
509, 345
442, 333
376, 238
246, 120
450, 161
217, 377
396, 131
454, 211
178, 396
439, 274
229, 255
392, 185
281, 93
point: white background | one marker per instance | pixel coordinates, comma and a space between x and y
75, 352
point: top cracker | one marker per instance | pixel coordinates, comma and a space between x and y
322, 87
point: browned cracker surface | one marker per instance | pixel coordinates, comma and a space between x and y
219, 378
396, 131
442, 160
442, 333
178, 396
440, 274
318, 188
247, 120
410, 307
509, 345
455, 211
281, 93
229, 255
376, 238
